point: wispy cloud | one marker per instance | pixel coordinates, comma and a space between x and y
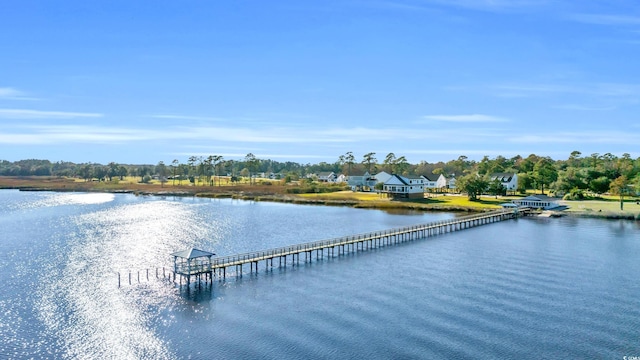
606, 19
186, 117
65, 134
478, 5
579, 137
473, 118
22, 114
615, 90
584, 107
10, 93
490, 5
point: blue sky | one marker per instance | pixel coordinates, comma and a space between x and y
307, 81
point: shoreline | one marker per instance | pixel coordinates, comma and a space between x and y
273, 193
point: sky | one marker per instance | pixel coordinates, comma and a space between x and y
307, 81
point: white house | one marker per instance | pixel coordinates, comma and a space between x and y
430, 181
537, 202
400, 186
508, 180
359, 179
451, 182
382, 177
342, 178
327, 176
441, 183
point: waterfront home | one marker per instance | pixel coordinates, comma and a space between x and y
382, 177
359, 180
451, 182
342, 178
327, 176
430, 181
537, 202
508, 180
399, 186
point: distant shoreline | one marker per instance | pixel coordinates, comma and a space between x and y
271, 193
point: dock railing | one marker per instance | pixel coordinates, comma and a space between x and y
239, 259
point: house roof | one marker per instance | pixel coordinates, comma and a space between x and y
399, 178
326, 173
431, 177
192, 254
404, 180
508, 205
357, 172
504, 177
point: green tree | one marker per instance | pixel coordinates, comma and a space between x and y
122, 171
216, 160
401, 165
472, 184
620, 187
161, 170
574, 158
252, 165
544, 172
112, 170
389, 162
369, 160
495, 188
175, 166
191, 162
349, 159
600, 185
86, 172
525, 181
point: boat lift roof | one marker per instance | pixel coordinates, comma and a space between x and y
192, 254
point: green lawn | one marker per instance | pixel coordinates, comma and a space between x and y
433, 200
605, 205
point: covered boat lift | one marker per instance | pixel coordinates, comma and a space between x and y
192, 262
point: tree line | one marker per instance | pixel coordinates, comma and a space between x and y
577, 175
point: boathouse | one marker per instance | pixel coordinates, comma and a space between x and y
536, 202
191, 262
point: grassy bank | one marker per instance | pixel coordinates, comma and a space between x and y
607, 207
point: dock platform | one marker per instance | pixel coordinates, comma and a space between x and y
202, 265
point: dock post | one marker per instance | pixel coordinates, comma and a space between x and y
118, 280
129, 277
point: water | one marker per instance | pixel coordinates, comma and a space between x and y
530, 288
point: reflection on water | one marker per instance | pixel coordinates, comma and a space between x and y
550, 287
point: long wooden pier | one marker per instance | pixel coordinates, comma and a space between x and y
208, 267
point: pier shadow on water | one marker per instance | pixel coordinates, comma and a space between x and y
198, 293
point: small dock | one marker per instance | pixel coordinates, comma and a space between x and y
203, 266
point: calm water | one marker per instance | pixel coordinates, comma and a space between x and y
527, 288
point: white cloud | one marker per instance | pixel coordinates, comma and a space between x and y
580, 137
192, 136
584, 107
186, 117
606, 19
10, 93
612, 90
473, 118
21, 114
7, 92
491, 5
